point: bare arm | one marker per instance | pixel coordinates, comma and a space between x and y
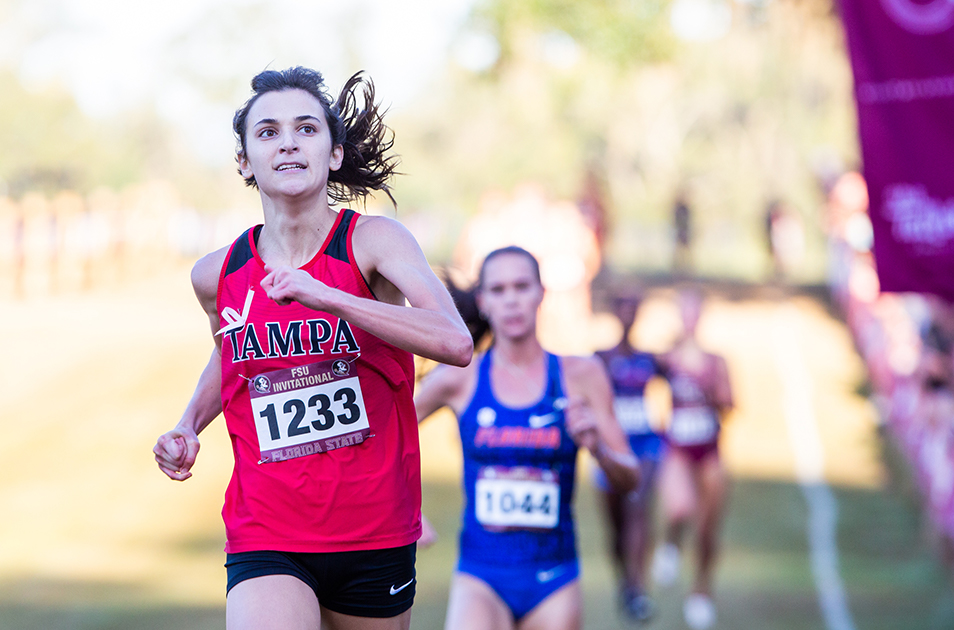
723, 386
444, 386
592, 423
393, 262
176, 450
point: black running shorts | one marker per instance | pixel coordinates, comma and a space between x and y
372, 583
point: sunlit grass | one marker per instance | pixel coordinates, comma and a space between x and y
96, 537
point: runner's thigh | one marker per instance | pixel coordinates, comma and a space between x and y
562, 610
332, 620
473, 605
714, 486
272, 602
677, 487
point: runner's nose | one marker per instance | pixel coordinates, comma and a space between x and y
289, 143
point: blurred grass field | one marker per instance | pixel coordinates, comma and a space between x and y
96, 538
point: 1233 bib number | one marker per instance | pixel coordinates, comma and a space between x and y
308, 409
517, 498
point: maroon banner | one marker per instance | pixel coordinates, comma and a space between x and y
902, 55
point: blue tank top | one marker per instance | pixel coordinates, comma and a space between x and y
519, 469
630, 372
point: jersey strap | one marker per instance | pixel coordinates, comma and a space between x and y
338, 245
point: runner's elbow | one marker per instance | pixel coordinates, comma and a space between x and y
459, 349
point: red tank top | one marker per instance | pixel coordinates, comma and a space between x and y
320, 414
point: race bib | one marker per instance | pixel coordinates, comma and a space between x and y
631, 413
693, 425
517, 498
308, 409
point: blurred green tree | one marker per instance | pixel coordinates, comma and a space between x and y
754, 114
50, 145
624, 32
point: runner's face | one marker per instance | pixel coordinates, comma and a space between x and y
510, 296
690, 307
288, 145
625, 310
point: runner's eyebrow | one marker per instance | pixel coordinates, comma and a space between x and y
272, 121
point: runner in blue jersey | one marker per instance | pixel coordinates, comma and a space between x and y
523, 413
630, 514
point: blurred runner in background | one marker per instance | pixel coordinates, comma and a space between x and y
682, 227
630, 514
312, 368
785, 238
692, 482
522, 413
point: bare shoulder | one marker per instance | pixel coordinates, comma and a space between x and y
718, 361
450, 385
450, 378
381, 242
373, 230
205, 276
394, 264
583, 370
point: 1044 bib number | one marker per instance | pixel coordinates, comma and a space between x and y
517, 498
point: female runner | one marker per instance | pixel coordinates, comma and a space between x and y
692, 481
630, 514
522, 413
312, 368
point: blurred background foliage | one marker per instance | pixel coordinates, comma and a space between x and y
51, 146
761, 113
543, 91
623, 32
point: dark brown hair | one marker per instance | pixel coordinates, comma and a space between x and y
357, 125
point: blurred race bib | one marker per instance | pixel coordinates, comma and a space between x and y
693, 425
632, 415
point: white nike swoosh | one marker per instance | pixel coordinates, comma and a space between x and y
537, 422
545, 576
395, 591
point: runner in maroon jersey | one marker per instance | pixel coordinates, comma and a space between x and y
312, 369
692, 483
